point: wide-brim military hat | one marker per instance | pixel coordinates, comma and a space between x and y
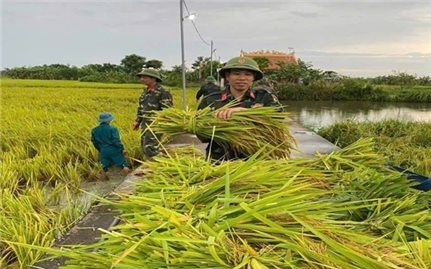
150, 73
210, 79
105, 117
242, 63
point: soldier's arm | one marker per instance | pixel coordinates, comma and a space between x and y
166, 100
203, 104
208, 100
199, 93
266, 98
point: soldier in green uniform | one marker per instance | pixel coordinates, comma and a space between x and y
266, 84
153, 98
106, 139
209, 87
240, 72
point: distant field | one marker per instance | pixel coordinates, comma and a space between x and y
37, 113
45, 145
64, 84
11, 83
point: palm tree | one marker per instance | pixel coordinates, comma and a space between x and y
199, 65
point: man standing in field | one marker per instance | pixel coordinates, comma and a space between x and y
209, 87
240, 72
153, 98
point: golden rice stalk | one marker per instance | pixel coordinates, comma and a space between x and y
247, 131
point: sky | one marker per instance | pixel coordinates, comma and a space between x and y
356, 38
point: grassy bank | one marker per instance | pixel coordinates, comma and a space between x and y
350, 90
404, 143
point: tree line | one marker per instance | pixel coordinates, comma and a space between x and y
298, 74
125, 72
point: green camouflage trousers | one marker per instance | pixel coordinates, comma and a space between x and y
150, 143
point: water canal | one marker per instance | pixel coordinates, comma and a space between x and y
317, 114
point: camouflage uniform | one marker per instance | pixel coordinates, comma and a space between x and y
209, 87
206, 89
266, 84
217, 100
150, 101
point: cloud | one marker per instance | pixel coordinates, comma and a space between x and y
324, 32
304, 14
365, 55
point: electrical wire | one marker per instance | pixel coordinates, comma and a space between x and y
194, 25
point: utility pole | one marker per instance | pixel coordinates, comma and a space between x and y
183, 65
211, 61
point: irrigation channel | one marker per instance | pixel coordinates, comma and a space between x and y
317, 114
104, 216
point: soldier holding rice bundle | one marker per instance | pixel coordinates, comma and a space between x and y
240, 72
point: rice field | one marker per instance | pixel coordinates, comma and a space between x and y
46, 155
407, 144
340, 210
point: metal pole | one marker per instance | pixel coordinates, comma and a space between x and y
183, 65
218, 75
211, 62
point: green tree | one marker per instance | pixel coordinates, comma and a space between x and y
108, 67
172, 77
294, 73
262, 62
177, 69
397, 78
133, 64
207, 69
156, 64
199, 65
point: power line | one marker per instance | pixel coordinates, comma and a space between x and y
194, 25
188, 12
197, 31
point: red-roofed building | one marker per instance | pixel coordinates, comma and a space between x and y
273, 56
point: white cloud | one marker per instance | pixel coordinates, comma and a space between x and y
83, 32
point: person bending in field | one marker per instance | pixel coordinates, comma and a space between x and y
106, 139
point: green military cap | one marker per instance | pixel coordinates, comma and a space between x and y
210, 79
242, 63
150, 73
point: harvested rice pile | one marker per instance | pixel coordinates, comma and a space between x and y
340, 210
